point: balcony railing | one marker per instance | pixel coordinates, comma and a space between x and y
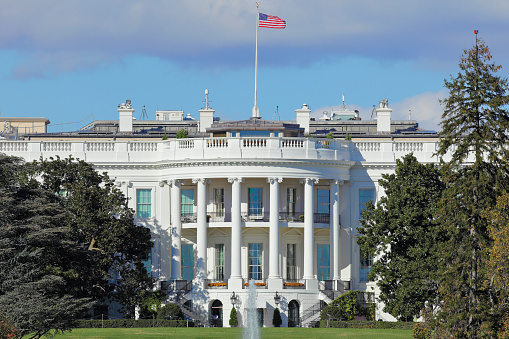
291, 216
188, 217
216, 283
321, 218
259, 284
264, 216
219, 217
294, 284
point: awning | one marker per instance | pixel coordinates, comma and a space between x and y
261, 302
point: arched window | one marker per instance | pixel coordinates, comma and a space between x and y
216, 313
293, 314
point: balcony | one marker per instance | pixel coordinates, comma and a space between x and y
291, 216
259, 284
321, 218
264, 216
188, 218
294, 284
214, 284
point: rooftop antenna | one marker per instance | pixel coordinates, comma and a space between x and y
276, 112
373, 112
344, 107
409, 114
206, 101
143, 115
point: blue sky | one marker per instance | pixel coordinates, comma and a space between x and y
67, 59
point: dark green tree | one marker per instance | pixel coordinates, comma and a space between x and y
473, 146
276, 318
100, 221
233, 317
170, 311
182, 134
402, 234
37, 257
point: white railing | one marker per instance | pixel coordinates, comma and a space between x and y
254, 142
143, 146
100, 146
11, 146
408, 146
56, 146
367, 146
292, 143
217, 143
232, 148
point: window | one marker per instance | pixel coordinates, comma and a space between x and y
323, 262
291, 197
255, 202
147, 263
255, 261
187, 202
143, 203
219, 269
365, 195
365, 267
323, 202
219, 202
187, 262
291, 263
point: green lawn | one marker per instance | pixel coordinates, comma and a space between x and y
231, 333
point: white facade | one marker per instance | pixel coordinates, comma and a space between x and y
275, 199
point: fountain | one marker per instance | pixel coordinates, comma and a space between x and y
251, 330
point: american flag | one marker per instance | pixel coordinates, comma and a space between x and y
270, 21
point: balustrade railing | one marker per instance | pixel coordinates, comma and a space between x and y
264, 216
259, 284
188, 217
219, 217
294, 284
321, 218
216, 283
291, 216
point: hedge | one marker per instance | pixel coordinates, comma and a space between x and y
131, 323
369, 324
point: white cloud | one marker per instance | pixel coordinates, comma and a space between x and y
221, 32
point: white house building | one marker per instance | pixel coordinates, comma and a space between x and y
272, 201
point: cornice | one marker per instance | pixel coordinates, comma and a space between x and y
227, 163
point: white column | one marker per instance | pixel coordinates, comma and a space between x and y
165, 223
201, 232
236, 233
176, 231
335, 229
274, 228
309, 237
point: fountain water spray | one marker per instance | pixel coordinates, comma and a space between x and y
252, 330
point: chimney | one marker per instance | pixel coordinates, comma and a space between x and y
125, 117
206, 114
303, 116
383, 117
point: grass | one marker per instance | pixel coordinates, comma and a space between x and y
231, 333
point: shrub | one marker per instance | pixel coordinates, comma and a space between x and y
182, 134
170, 312
348, 136
276, 318
165, 137
330, 135
233, 317
7, 329
400, 325
347, 307
421, 331
131, 323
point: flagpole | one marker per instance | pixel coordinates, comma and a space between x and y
256, 113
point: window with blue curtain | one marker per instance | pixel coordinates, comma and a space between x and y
365, 267
187, 262
187, 202
255, 202
143, 203
323, 262
323, 201
255, 261
147, 263
365, 195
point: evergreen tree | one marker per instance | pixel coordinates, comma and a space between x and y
37, 258
101, 222
233, 317
473, 145
276, 318
401, 233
